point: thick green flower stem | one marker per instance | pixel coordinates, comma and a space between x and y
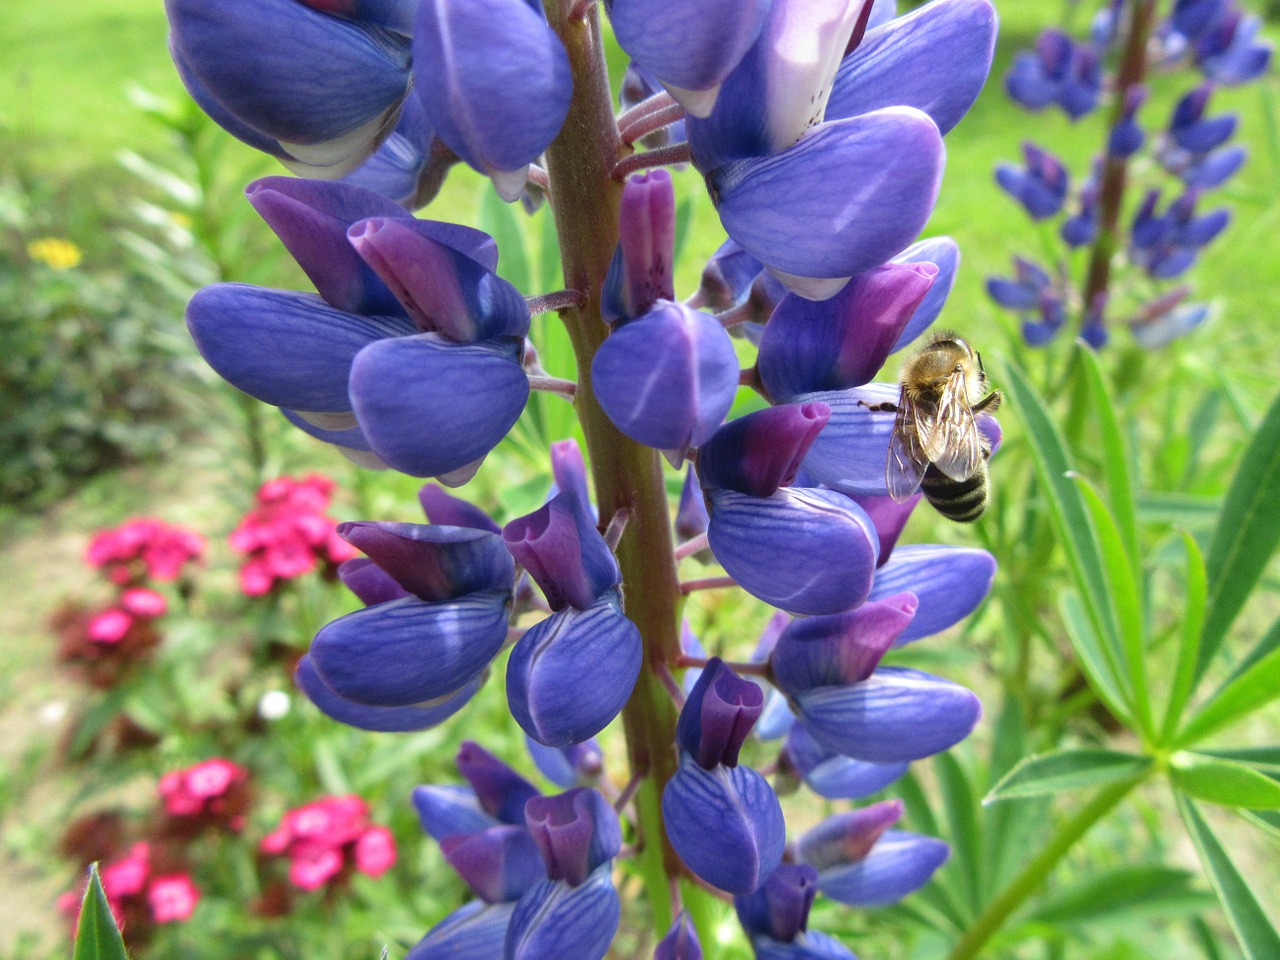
1133, 68
585, 199
1034, 874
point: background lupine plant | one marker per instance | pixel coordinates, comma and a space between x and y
1115, 261
818, 131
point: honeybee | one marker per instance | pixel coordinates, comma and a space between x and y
936, 444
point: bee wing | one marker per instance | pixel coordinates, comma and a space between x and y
907, 461
951, 439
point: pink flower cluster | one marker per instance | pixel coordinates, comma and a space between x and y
326, 839
144, 548
139, 897
211, 793
288, 534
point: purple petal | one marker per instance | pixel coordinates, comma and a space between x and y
718, 715
842, 342
502, 792
760, 452
833, 776
544, 675
642, 270
569, 471
950, 583
497, 97
449, 810
811, 945
405, 652
691, 45
779, 909
376, 718
285, 348
726, 824
444, 508
434, 563
844, 648
668, 378
801, 212
728, 279
899, 864
577, 765
430, 407
408, 167
567, 923
369, 582
564, 552
681, 941
475, 931
935, 59
442, 289
295, 74
691, 516
311, 218
499, 863
575, 832
889, 518
779, 548
850, 453
897, 714
847, 836
944, 254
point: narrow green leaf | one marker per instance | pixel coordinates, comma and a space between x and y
1115, 460
498, 219
1246, 535
1266, 820
1070, 515
97, 937
1187, 509
1189, 644
1128, 602
1257, 937
1256, 687
1151, 888
1000, 823
1048, 773
1098, 668
1225, 783
962, 818
1268, 644
943, 893
1266, 757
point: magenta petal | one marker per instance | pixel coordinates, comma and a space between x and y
429, 407
432, 562
844, 648
762, 451
846, 198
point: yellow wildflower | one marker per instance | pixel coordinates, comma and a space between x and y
55, 252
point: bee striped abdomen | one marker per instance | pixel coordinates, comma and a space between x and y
960, 500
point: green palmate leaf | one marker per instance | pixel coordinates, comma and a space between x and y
1049, 773
1128, 601
962, 818
97, 937
1071, 518
1189, 643
1225, 783
1151, 888
1097, 667
1115, 460
1252, 927
1246, 535
1239, 696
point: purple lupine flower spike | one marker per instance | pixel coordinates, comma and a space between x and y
862, 863
688, 45
641, 272
1040, 187
563, 551
668, 378
1037, 76
496, 97
324, 88
1126, 137
574, 913
722, 818
544, 691
842, 342
681, 941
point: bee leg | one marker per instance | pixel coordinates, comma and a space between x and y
988, 404
883, 407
